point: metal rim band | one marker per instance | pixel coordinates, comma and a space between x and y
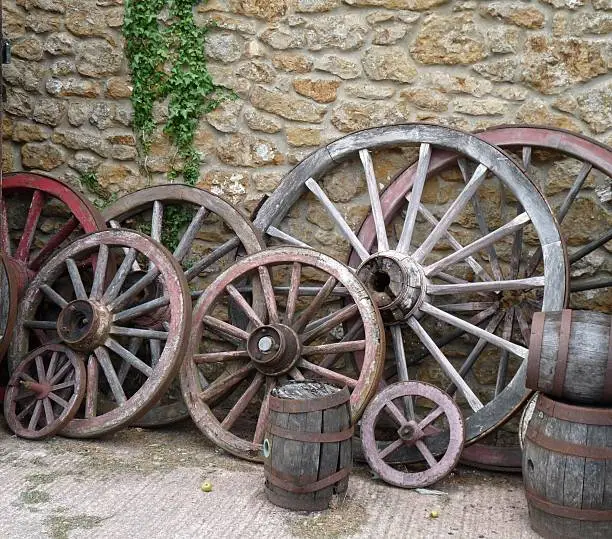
322, 437
535, 350
290, 485
593, 515
540, 439
565, 329
314, 405
588, 415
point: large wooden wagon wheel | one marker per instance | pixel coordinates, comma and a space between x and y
307, 310
446, 277
204, 233
8, 303
38, 216
119, 298
417, 411
575, 174
45, 391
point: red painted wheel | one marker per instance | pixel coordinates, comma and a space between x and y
45, 392
307, 318
8, 303
130, 323
418, 411
40, 215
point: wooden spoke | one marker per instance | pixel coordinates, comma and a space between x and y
379, 221
157, 217
502, 370
127, 356
286, 238
264, 412
394, 446
142, 333
52, 365
147, 279
60, 374
39, 324
189, 235
489, 286
515, 349
482, 223
224, 383
431, 417
296, 374
97, 286
590, 247
402, 366
355, 331
523, 324
63, 385
116, 284
110, 374
316, 190
476, 266
35, 415
40, 369
334, 348
29, 229
53, 295
48, 410
55, 398
573, 192
27, 409
395, 413
215, 357
155, 349
223, 328
405, 241
315, 305
268, 293
53, 243
243, 401
445, 364
139, 310
292, 296
463, 307
511, 227
75, 277
451, 213
343, 315
424, 450
212, 257
244, 305
327, 373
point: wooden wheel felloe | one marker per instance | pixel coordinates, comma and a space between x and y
447, 280
121, 300
31, 205
415, 409
45, 392
306, 314
204, 233
8, 303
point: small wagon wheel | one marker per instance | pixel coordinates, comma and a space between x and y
583, 167
311, 309
130, 324
414, 408
38, 216
446, 279
45, 391
204, 233
8, 303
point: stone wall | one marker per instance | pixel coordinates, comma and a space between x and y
306, 72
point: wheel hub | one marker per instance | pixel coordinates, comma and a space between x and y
395, 282
274, 349
410, 432
84, 324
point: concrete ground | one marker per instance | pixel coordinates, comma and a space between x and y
140, 483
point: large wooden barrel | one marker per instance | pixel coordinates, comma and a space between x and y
567, 470
570, 356
307, 446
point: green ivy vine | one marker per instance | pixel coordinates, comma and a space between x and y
165, 50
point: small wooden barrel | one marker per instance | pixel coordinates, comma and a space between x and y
567, 470
307, 446
570, 356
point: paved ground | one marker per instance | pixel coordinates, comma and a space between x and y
140, 483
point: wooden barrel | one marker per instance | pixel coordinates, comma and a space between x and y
567, 470
307, 446
570, 356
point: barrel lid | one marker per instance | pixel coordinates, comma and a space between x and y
307, 396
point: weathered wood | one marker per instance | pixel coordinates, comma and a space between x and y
567, 450
572, 362
298, 459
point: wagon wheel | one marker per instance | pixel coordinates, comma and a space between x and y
414, 408
443, 302
204, 233
309, 311
8, 303
131, 324
45, 391
38, 216
575, 174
